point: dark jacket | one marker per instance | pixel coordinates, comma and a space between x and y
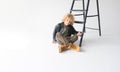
60, 28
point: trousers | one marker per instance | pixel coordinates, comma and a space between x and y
65, 40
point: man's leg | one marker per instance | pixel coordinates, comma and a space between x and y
62, 41
73, 38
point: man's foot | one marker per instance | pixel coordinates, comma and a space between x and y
74, 47
62, 48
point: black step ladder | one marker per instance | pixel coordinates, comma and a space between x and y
85, 15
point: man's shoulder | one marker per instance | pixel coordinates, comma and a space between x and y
60, 24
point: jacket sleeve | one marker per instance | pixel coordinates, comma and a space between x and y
73, 30
56, 29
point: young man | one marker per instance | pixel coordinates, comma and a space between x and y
65, 34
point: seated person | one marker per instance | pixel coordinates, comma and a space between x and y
65, 34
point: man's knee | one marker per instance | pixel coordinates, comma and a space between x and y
74, 38
58, 34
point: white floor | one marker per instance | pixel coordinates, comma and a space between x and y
26, 39
27, 53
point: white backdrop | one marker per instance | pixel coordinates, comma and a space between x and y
26, 28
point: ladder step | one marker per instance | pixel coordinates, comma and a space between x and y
92, 28
78, 14
78, 10
92, 15
81, 22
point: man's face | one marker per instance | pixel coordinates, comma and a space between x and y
67, 22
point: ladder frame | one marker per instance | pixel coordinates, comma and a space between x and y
85, 16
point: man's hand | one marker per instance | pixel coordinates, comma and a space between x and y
79, 33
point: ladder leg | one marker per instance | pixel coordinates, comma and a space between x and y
80, 44
84, 23
98, 17
84, 13
72, 6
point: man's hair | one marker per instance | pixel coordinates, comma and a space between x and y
70, 16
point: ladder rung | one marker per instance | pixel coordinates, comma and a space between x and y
81, 22
77, 10
92, 15
92, 28
78, 14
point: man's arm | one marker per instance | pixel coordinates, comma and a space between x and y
57, 29
76, 32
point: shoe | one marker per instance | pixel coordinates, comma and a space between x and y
62, 48
74, 47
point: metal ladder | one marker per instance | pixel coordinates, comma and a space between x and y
85, 15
